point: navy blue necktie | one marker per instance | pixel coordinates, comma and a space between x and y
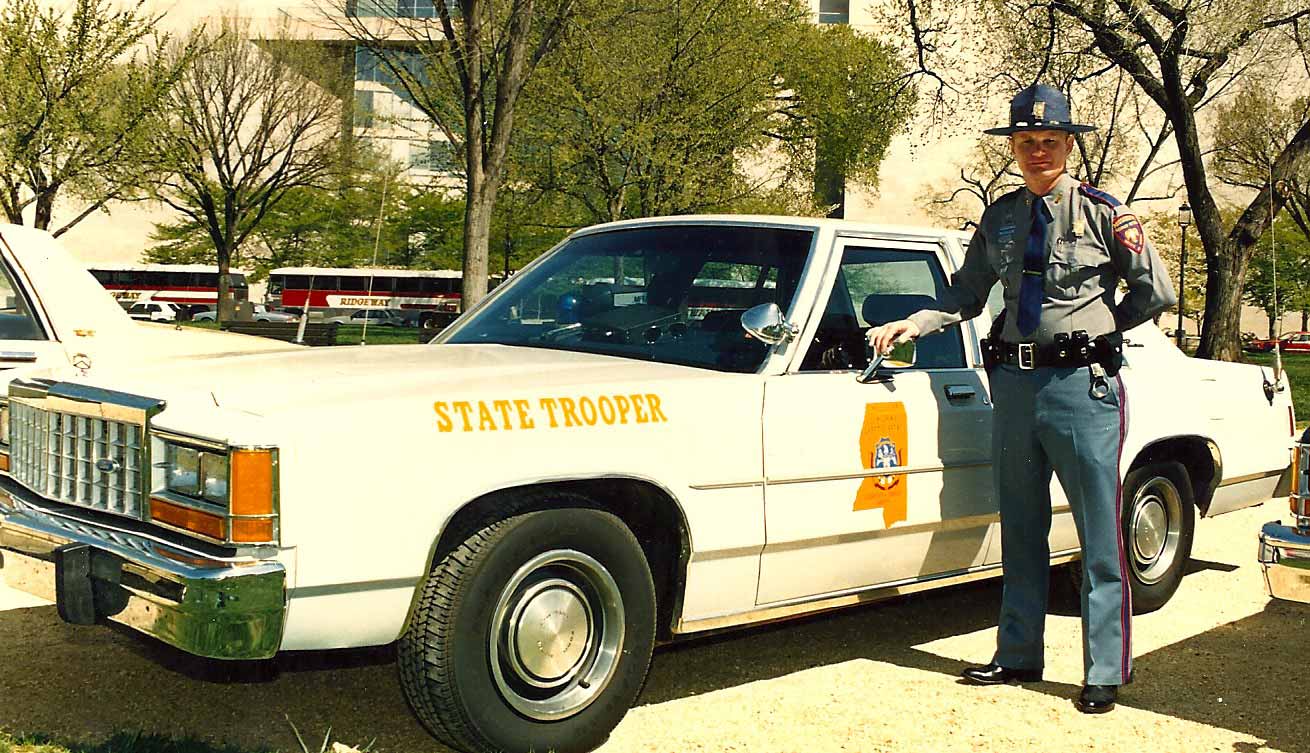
1034, 270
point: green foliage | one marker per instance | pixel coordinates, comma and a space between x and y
79, 103
704, 105
336, 225
1292, 250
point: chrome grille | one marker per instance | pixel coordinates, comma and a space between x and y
55, 454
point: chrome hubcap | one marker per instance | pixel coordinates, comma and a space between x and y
556, 634
1155, 529
549, 633
1149, 529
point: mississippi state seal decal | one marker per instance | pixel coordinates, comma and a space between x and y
884, 439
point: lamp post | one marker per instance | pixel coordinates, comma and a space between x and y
1184, 219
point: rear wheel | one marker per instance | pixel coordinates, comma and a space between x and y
1159, 520
535, 633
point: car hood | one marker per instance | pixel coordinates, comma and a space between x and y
335, 378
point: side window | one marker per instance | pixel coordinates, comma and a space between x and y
876, 286
16, 319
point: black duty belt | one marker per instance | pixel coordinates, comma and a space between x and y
1068, 353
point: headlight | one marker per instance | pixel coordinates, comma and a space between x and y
228, 494
182, 475
213, 478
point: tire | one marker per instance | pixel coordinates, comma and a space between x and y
471, 661
1159, 520
1156, 498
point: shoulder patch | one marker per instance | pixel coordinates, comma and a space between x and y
1129, 232
1099, 196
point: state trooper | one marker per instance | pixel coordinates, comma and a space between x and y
1060, 248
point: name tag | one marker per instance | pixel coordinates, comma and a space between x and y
1005, 233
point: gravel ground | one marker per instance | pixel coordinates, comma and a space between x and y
1221, 668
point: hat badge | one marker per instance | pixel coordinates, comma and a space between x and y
1039, 110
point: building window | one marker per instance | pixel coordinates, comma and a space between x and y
396, 8
436, 156
364, 112
834, 11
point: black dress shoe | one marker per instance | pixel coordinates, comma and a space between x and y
1097, 699
995, 674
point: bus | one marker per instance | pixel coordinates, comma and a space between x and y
184, 284
433, 296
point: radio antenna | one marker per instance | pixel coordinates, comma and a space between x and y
377, 241
1273, 260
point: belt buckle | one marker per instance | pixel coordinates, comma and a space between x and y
1027, 361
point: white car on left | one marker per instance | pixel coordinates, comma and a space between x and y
154, 311
54, 315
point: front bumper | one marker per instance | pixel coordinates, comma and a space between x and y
217, 607
1285, 558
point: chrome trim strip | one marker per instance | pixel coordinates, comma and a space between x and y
954, 524
177, 437
336, 589
1251, 477
726, 485
874, 472
785, 610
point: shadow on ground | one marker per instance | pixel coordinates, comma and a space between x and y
83, 685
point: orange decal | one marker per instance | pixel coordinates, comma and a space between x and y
884, 444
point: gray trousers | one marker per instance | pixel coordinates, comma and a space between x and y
1046, 420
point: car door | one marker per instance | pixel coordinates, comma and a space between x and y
883, 482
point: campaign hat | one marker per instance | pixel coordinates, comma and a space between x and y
1040, 108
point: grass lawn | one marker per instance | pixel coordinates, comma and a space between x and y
123, 742
350, 334
1297, 366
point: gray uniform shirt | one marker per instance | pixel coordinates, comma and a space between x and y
1092, 242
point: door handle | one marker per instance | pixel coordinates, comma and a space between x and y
955, 392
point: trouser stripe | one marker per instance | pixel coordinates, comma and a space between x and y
1126, 613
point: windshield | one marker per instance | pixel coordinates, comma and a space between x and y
673, 293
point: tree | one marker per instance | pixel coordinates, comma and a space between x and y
337, 225
1292, 289
706, 105
465, 70
246, 126
78, 105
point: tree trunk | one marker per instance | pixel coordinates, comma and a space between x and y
45, 209
1272, 333
225, 310
1226, 273
481, 199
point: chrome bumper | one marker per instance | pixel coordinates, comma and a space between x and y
1285, 558
222, 608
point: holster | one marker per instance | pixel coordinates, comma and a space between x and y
991, 352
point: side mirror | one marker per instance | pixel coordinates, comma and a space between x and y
899, 357
765, 323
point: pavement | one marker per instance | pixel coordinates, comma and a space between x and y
1220, 668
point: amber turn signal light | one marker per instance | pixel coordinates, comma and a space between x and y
196, 521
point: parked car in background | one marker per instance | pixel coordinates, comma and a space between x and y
1292, 342
374, 317
705, 445
261, 313
1285, 549
155, 311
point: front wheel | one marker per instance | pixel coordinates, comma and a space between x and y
1159, 518
533, 634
